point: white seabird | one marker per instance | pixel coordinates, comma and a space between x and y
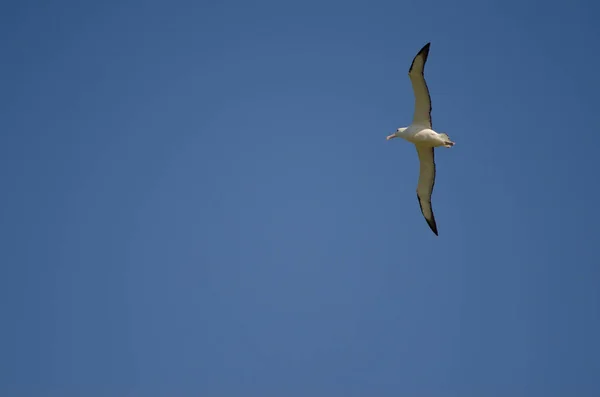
423, 136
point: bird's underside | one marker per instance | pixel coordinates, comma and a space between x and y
422, 135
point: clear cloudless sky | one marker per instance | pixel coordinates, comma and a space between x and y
197, 199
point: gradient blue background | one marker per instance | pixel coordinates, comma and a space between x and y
197, 198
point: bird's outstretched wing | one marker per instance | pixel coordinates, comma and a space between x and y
422, 114
426, 183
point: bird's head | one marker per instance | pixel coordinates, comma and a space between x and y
395, 134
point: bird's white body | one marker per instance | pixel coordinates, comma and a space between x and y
421, 135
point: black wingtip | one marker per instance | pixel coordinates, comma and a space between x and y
432, 225
423, 51
430, 222
433, 228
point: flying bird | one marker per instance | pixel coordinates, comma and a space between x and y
425, 139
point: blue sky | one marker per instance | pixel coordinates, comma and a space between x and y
198, 198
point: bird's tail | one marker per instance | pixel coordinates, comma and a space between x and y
447, 141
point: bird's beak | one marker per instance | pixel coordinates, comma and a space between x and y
391, 136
